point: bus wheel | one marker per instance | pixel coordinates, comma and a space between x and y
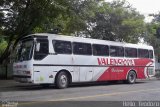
62, 80
131, 79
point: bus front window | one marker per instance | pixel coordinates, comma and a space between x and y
25, 50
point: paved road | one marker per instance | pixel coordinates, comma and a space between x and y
87, 94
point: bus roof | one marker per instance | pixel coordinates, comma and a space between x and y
92, 41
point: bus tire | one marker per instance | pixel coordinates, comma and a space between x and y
131, 78
62, 80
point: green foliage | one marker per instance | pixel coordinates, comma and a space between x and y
80, 13
3, 45
152, 37
117, 21
92, 18
23, 16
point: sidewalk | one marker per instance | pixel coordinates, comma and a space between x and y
9, 83
6, 83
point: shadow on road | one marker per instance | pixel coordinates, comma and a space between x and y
31, 87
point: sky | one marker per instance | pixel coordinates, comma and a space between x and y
145, 7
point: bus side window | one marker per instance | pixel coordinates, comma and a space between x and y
130, 52
116, 51
82, 48
100, 50
151, 54
62, 47
41, 49
143, 53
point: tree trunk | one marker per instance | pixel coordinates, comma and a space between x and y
4, 58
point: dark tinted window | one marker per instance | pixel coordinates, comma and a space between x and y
41, 49
130, 52
116, 51
25, 50
150, 54
158, 57
62, 47
143, 53
82, 48
100, 50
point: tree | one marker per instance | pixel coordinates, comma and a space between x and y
152, 33
21, 17
74, 19
117, 21
3, 45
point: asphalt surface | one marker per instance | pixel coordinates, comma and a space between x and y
91, 94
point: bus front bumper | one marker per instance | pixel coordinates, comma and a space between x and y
22, 78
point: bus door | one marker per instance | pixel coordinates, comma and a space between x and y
83, 58
42, 72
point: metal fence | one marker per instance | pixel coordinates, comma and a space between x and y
6, 71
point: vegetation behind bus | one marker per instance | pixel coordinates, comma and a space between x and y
116, 21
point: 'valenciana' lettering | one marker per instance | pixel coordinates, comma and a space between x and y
111, 61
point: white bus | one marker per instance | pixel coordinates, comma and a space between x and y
62, 60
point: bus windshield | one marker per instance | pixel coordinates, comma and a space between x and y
25, 50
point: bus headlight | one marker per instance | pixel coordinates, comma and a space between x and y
27, 72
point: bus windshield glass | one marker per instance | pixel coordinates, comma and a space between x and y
25, 50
